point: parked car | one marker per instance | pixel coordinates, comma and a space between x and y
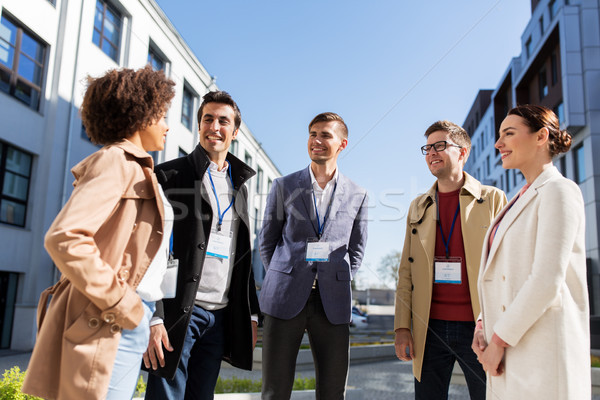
360, 319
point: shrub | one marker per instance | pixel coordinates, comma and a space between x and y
237, 385
140, 387
11, 383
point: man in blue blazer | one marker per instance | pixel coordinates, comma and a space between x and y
311, 244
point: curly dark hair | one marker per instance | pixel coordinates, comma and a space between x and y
124, 101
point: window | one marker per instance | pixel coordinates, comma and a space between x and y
233, 148
507, 181
259, 177
256, 224
187, 108
107, 29
579, 164
156, 61
269, 184
487, 166
182, 152
553, 6
563, 165
543, 82
15, 172
528, 48
554, 68
22, 59
248, 159
559, 110
542, 25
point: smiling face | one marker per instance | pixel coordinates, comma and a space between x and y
325, 141
446, 163
517, 144
217, 130
153, 136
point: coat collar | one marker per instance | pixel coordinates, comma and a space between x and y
128, 147
512, 210
471, 187
240, 171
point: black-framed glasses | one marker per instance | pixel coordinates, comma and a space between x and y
437, 146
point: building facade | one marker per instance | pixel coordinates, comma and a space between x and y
47, 49
559, 67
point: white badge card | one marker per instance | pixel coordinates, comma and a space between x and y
219, 245
168, 285
317, 251
447, 270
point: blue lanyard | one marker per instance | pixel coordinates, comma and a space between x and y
446, 242
322, 227
217, 197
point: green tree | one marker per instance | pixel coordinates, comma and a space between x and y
387, 270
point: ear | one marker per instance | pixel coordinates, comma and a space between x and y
343, 144
542, 136
235, 133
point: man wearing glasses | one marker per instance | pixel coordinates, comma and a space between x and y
436, 295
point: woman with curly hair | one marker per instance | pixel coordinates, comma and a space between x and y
110, 242
534, 338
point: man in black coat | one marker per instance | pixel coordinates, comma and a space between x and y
215, 312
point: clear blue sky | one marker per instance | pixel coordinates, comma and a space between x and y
390, 68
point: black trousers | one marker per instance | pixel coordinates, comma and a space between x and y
330, 345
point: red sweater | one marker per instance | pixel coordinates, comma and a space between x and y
451, 302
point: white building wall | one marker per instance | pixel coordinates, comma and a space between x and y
53, 134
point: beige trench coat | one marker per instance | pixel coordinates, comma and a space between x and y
102, 241
533, 293
479, 204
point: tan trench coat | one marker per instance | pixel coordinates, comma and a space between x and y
102, 241
533, 292
479, 204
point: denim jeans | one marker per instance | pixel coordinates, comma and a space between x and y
132, 345
200, 362
447, 342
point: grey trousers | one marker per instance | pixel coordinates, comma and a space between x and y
330, 345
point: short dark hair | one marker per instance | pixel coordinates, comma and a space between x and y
223, 98
328, 117
457, 133
124, 101
538, 117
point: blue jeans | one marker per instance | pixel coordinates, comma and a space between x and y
448, 342
200, 362
132, 345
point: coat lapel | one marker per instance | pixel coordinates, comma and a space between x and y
305, 188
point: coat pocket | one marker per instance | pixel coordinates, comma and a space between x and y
85, 326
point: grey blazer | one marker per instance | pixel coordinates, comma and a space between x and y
289, 221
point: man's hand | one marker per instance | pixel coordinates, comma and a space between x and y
254, 333
158, 338
491, 359
479, 343
403, 340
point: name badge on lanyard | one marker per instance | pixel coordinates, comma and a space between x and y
448, 270
317, 251
219, 244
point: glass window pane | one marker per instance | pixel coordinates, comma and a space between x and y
580, 160
7, 52
27, 94
32, 48
15, 186
8, 31
96, 38
13, 213
30, 70
4, 81
17, 161
99, 17
111, 32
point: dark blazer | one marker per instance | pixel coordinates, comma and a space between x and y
289, 220
181, 180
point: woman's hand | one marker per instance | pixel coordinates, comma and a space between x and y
491, 359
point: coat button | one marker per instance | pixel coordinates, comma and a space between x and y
410, 259
186, 308
134, 227
314, 270
109, 318
124, 274
93, 323
503, 308
115, 328
201, 246
414, 231
503, 278
195, 277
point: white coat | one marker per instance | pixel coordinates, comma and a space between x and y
533, 293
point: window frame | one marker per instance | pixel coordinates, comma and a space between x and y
188, 122
154, 53
107, 6
14, 76
4, 147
